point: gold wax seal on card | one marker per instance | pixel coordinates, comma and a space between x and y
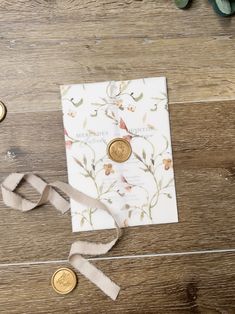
64, 280
119, 150
3, 111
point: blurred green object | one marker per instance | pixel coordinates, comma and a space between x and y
233, 6
182, 4
222, 7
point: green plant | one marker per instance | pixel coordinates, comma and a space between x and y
222, 7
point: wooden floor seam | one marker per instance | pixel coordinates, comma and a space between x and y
216, 251
181, 102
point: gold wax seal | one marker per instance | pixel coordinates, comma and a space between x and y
3, 111
119, 150
64, 280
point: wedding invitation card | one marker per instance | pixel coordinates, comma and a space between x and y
118, 148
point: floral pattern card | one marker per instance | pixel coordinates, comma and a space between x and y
139, 191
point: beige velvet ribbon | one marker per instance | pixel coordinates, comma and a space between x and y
78, 248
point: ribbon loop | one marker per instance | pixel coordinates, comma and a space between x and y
78, 248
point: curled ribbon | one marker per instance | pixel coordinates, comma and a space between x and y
78, 248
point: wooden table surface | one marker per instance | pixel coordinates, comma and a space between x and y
187, 267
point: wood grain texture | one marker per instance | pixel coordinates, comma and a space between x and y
203, 136
47, 43
180, 284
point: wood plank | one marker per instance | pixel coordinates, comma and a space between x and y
106, 13
204, 150
178, 284
46, 44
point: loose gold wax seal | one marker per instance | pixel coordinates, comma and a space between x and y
3, 111
119, 150
64, 280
